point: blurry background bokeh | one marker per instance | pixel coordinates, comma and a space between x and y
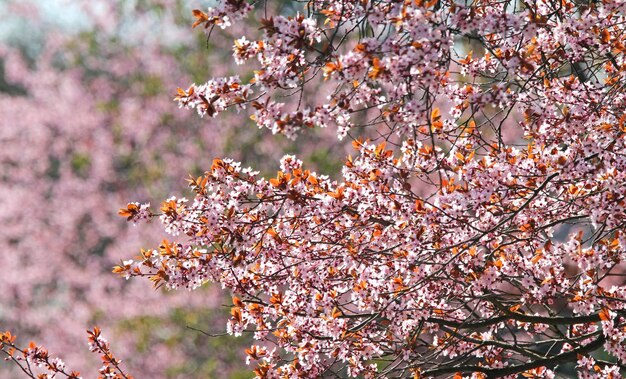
87, 124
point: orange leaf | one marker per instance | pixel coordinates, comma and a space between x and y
605, 36
419, 206
236, 313
129, 211
526, 227
237, 301
200, 16
515, 308
435, 119
604, 314
435, 114
273, 233
467, 60
275, 182
376, 69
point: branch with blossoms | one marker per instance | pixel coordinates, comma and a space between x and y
364, 232
36, 358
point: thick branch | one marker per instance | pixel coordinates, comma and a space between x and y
500, 372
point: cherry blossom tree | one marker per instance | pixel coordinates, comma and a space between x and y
477, 230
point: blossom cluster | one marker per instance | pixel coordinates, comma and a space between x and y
214, 96
223, 15
36, 356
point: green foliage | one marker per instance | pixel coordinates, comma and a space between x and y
218, 356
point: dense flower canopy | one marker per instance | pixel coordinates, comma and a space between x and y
478, 232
